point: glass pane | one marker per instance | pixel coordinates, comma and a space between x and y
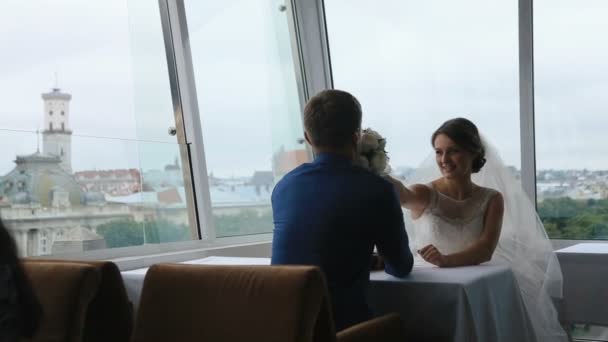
80, 47
571, 76
425, 62
249, 107
86, 161
588, 332
152, 103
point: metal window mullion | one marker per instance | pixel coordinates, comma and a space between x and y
314, 48
297, 52
526, 99
187, 117
311, 48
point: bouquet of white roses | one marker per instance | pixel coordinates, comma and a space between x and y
372, 155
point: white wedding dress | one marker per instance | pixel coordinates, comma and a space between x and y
453, 225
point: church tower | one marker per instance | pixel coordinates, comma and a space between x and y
57, 135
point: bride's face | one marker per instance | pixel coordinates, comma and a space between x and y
453, 161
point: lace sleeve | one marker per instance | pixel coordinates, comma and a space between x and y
489, 194
460, 211
432, 203
433, 197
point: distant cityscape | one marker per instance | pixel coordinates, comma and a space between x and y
51, 209
575, 184
573, 204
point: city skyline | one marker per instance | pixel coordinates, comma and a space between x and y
7, 165
423, 63
114, 65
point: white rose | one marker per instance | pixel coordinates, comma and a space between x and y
363, 162
369, 131
381, 144
368, 143
378, 162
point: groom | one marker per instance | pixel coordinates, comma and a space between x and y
330, 213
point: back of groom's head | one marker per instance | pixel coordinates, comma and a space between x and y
332, 119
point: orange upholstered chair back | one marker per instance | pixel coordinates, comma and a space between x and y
189, 303
65, 291
110, 307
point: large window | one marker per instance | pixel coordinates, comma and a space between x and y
415, 64
94, 158
571, 83
104, 173
249, 104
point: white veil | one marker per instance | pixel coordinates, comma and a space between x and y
523, 242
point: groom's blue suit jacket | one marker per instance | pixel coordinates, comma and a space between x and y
331, 213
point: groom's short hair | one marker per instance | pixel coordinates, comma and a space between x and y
331, 118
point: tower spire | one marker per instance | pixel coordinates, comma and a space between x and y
56, 132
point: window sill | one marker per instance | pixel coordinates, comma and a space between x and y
561, 244
127, 258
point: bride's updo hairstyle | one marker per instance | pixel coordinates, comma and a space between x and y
465, 134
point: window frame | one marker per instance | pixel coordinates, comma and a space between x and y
526, 99
312, 62
185, 100
190, 135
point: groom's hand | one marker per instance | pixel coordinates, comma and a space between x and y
431, 254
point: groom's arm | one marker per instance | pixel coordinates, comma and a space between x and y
392, 240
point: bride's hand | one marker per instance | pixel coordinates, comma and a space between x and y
431, 254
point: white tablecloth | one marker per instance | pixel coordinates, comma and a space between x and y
585, 271
467, 304
134, 279
475, 303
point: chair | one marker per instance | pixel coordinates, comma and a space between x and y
64, 291
386, 328
245, 303
110, 314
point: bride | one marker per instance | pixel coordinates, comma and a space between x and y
460, 220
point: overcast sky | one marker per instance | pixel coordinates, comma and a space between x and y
412, 64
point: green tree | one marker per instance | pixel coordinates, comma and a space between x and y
246, 222
124, 233
565, 218
552, 230
164, 231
